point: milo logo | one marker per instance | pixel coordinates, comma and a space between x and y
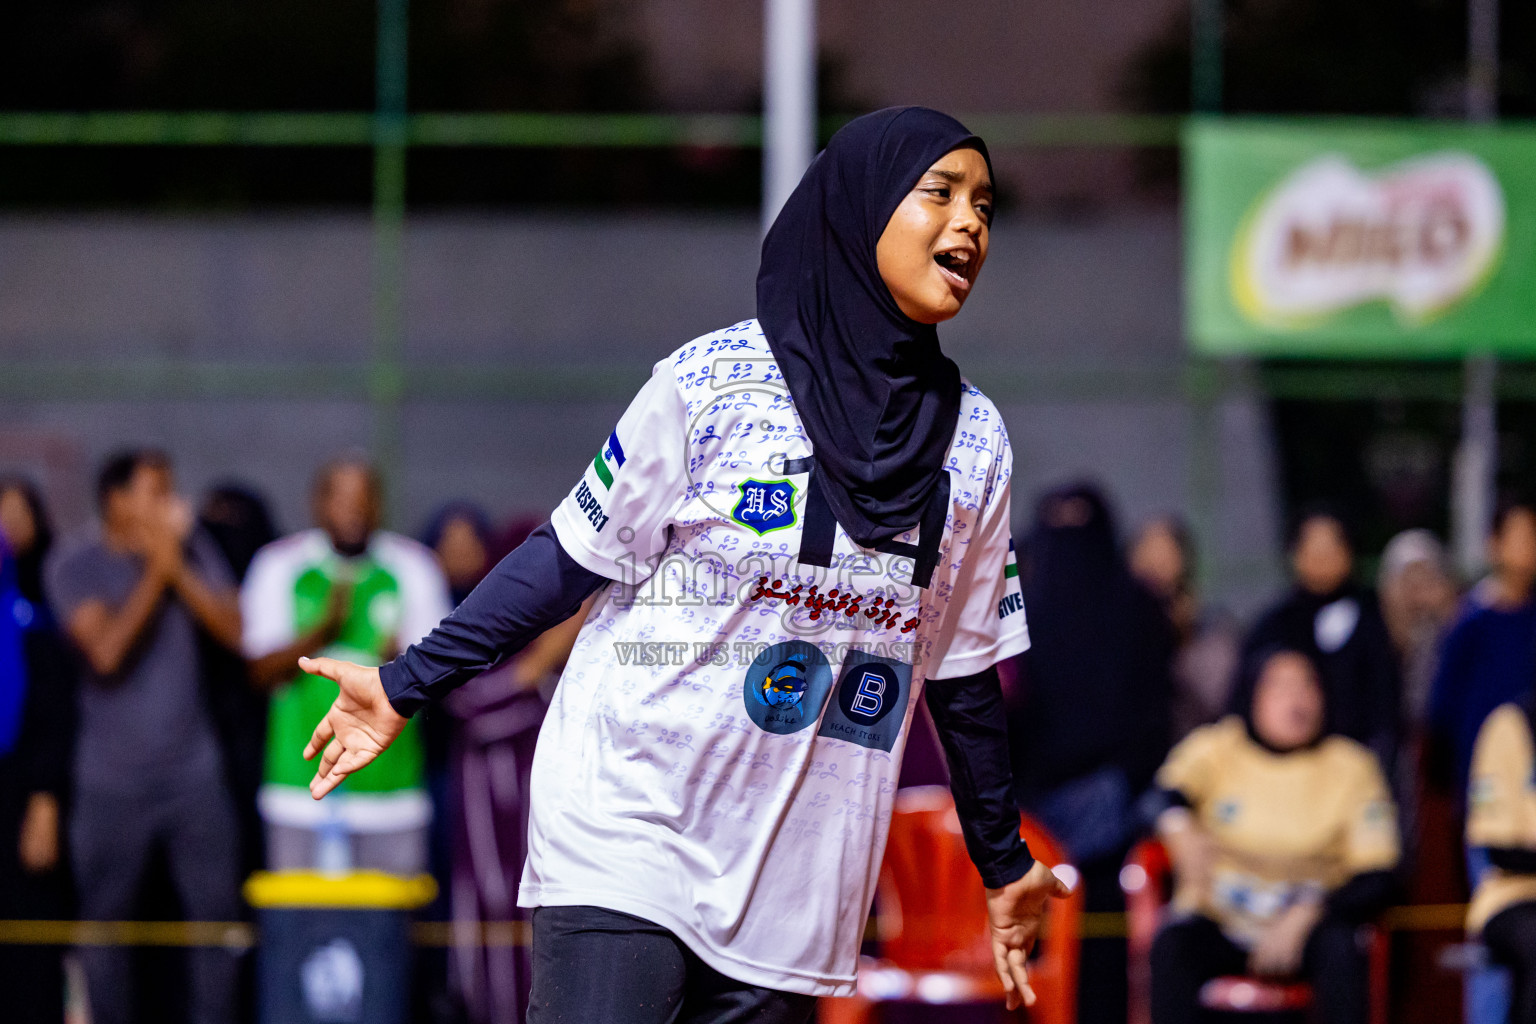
1420, 235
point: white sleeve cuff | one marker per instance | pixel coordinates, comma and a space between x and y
972, 662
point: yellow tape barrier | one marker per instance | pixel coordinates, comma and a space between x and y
238, 935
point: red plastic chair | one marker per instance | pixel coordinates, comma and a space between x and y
1146, 881
932, 925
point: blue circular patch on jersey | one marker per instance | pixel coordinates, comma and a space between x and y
786, 686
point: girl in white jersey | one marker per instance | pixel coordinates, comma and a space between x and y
800, 523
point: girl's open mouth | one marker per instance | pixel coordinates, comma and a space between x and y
956, 266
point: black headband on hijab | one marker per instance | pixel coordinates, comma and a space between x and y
878, 399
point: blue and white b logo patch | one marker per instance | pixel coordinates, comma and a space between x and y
765, 505
871, 703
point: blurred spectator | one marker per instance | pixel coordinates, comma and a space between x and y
1489, 656
1094, 687
1338, 624
237, 519
1162, 557
1501, 826
500, 714
459, 534
345, 589
1488, 659
497, 727
1283, 842
36, 722
133, 595
1089, 711
1418, 601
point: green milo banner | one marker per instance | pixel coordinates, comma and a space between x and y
1360, 238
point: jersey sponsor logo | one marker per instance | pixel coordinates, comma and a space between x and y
786, 685
765, 505
869, 695
1009, 604
872, 694
591, 507
608, 460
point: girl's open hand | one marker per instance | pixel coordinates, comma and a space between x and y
358, 727
1014, 913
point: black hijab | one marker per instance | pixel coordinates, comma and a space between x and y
237, 518
878, 399
1252, 670
1096, 688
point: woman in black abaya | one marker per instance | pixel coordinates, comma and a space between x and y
1089, 715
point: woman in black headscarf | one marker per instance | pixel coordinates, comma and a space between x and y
1089, 716
1339, 624
1089, 720
755, 902
1283, 841
849, 305
459, 534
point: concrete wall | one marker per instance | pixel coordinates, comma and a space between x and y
1075, 331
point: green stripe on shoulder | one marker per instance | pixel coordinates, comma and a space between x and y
603, 472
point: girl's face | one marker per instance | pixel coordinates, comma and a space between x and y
1288, 702
936, 241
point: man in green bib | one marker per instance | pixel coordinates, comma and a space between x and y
344, 589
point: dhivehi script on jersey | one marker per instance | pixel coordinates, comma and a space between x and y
1420, 235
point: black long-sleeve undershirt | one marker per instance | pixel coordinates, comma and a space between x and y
539, 585
973, 728
534, 588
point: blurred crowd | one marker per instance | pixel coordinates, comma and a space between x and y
1303, 772
152, 722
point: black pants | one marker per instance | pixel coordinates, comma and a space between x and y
1510, 936
595, 966
1190, 952
113, 838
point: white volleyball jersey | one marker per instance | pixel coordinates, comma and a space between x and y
722, 750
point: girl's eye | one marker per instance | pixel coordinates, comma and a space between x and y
942, 191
